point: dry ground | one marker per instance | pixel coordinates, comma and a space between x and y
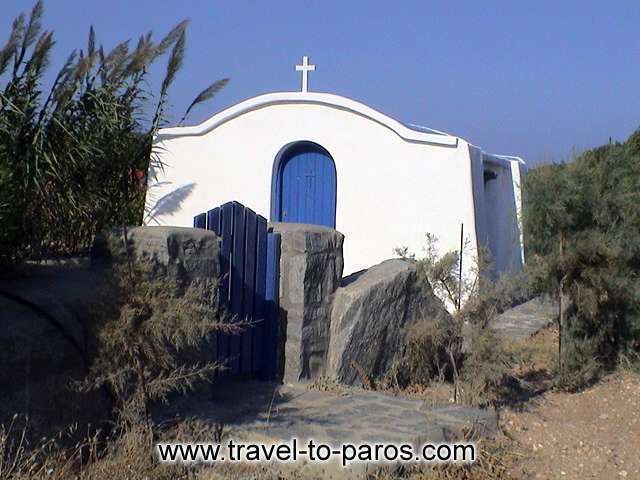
594, 433
590, 434
551, 434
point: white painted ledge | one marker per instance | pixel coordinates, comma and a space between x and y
311, 98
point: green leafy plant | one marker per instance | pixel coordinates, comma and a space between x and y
582, 227
442, 271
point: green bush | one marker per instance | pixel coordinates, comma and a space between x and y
486, 368
582, 231
462, 349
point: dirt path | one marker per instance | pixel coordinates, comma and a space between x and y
591, 434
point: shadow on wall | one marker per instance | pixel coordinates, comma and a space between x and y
167, 204
44, 346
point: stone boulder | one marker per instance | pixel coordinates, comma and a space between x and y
186, 253
371, 311
524, 320
311, 266
183, 256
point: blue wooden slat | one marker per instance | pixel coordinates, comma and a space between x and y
272, 306
213, 220
236, 280
200, 221
260, 282
213, 224
226, 233
249, 287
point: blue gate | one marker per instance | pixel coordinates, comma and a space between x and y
248, 288
305, 186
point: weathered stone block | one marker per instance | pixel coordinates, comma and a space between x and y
187, 253
310, 271
44, 346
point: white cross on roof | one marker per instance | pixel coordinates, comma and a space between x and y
305, 68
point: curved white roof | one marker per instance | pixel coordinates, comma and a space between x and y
409, 133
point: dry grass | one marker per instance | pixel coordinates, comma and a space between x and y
128, 456
437, 393
497, 460
536, 352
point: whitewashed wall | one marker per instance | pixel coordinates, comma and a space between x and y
393, 184
518, 173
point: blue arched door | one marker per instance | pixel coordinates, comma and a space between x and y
305, 187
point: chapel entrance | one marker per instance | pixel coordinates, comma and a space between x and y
304, 185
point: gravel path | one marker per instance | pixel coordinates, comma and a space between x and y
352, 415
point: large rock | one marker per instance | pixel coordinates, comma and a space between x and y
524, 320
187, 253
310, 271
371, 311
182, 256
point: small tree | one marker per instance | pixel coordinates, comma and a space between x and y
551, 212
442, 271
150, 325
582, 228
478, 369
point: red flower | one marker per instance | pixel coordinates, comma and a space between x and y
137, 176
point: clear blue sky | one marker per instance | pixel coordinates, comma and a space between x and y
537, 79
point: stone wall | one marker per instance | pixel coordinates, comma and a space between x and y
45, 331
184, 253
327, 323
44, 346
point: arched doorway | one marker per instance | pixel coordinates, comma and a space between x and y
303, 187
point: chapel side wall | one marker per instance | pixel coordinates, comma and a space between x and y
473, 213
518, 172
390, 192
503, 219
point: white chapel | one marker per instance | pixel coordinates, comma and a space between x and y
320, 158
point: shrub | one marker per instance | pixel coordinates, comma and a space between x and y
432, 352
486, 368
442, 272
151, 328
581, 229
463, 350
